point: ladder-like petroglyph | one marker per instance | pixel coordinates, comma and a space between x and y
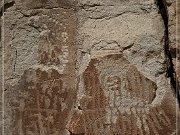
119, 100
49, 101
122, 85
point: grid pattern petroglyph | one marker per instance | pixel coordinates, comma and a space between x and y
118, 100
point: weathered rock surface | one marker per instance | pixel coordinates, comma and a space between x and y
87, 67
174, 19
40, 58
118, 99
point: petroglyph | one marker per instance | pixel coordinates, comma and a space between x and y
49, 100
42, 99
86, 67
55, 36
118, 100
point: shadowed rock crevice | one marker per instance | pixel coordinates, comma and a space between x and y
77, 134
6, 6
170, 72
174, 53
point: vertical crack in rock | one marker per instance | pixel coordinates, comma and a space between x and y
15, 60
171, 73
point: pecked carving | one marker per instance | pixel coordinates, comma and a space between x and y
40, 102
118, 100
86, 67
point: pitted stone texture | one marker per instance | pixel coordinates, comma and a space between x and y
1, 76
42, 104
174, 31
37, 4
118, 99
111, 2
171, 7
120, 72
40, 82
122, 82
128, 29
42, 38
178, 44
21, 44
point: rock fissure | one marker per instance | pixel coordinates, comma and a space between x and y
170, 71
77, 134
15, 60
6, 6
85, 6
113, 16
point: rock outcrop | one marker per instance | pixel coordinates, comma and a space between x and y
89, 67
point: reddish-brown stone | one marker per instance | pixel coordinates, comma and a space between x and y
41, 101
119, 101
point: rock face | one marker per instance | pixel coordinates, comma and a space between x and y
173, 31
87, 67
119, 99
40, 59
